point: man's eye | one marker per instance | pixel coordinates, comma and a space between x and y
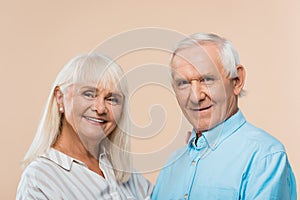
207, 80
181, 83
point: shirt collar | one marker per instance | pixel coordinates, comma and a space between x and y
215, 136
102, 152
61, 159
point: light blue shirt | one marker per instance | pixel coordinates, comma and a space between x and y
234, 160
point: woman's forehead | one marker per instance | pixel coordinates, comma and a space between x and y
95, 86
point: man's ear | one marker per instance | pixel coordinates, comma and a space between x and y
239, 81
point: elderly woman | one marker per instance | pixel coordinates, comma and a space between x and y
81, 148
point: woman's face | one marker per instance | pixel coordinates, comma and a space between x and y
92, 111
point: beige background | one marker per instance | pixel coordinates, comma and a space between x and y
38, 37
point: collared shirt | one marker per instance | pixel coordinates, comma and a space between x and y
58, 176
232, 161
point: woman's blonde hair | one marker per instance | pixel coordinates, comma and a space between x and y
103, 70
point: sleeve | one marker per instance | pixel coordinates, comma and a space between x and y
142, 187
166, 176
155, 192
160, 189
271, 178
28, 190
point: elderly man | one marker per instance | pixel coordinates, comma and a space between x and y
226, 157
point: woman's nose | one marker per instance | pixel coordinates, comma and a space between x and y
99, 106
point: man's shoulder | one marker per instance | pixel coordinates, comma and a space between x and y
260, 137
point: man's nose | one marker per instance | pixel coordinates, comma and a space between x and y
198, 92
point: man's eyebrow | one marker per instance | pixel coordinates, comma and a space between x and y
175, 74
208, 75
179, 78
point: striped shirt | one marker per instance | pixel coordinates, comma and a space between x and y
58, 176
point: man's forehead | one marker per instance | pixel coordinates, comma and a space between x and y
204, 59
205, 50
195, 73
190, 55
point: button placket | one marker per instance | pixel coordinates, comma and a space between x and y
185, 196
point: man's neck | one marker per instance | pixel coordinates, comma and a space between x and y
198, 135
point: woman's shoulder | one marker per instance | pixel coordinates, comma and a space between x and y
37, 168
38, 180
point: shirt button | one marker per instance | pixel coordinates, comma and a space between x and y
193, 162
185, 196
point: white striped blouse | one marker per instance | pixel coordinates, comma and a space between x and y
58, 176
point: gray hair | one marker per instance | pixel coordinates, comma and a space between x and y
227, 53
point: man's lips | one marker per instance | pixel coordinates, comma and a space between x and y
201, 109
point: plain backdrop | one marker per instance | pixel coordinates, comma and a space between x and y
38, 37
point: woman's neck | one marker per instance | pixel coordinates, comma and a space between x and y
71, 144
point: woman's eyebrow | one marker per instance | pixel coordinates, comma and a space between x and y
89, 88
115, 94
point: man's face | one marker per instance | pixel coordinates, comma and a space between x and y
204, 93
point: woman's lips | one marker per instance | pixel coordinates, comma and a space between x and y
96, 120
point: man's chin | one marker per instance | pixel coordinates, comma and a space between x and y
200, 129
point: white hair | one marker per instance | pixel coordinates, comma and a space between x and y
227, 53
99, 68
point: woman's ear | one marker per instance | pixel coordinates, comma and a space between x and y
58, 95
59, 99
239, 81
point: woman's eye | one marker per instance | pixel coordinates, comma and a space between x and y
89, 94
114, 100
